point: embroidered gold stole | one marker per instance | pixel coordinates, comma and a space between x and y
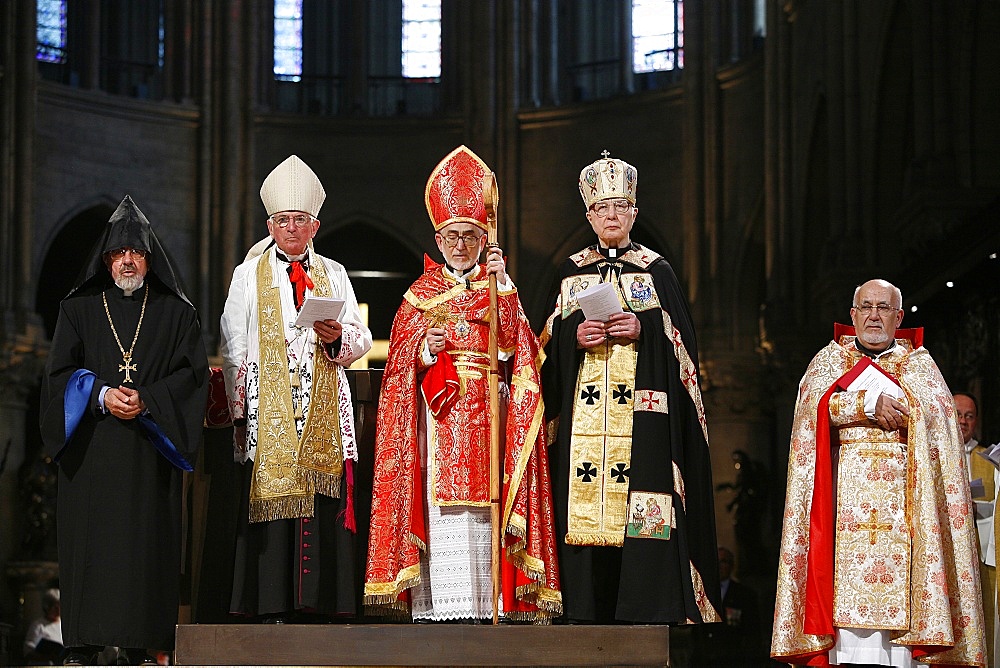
600, 445
289, 471
601, 441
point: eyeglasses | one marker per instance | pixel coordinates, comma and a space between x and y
882, 309
119, 253
469, 239
603, 210
283, 221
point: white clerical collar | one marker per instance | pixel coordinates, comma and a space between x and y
613, 253
970, 445
467, 274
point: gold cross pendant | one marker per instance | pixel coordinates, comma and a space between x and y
127, 367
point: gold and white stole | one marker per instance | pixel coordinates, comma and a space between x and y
289, 471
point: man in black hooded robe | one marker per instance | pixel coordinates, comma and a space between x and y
631, 474
122, 406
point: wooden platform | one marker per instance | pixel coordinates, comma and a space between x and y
421, 645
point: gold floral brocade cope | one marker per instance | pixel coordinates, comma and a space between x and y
288, 470
905, 554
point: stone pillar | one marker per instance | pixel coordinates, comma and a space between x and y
20, 365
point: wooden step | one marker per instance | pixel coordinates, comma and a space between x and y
421, 645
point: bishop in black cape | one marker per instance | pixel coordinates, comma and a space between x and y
119, 505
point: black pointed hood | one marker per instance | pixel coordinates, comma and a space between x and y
128, 227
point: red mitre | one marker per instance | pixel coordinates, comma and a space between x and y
454, 192
915, 335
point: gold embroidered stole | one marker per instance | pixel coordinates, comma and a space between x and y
601, 445
981, 468
289, 471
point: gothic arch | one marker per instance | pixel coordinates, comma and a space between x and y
381, 262
67, 251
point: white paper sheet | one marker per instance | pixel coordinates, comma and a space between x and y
319, 308
874, 380
599, 302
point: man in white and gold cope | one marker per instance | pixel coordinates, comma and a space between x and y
291, 404
879, 560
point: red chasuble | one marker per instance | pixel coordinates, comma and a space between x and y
459, 445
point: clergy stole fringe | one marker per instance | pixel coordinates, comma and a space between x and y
324, 483
600, 445
386, 606
287, 471
538, 618
281, 508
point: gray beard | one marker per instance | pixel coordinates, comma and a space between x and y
129, 284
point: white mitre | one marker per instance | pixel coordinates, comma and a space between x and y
608, 178
292, 186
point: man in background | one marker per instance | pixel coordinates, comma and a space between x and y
984, 496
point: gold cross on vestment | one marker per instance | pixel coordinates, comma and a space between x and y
872, 526
523, 382
438, 316
127, 367
875, 456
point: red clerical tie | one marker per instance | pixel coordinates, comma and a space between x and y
300, 281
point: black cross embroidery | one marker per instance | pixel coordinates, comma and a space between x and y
588, 471
622, 394
591, 394
620, 472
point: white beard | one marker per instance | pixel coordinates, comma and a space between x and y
129, 284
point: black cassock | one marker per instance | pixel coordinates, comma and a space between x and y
119, 505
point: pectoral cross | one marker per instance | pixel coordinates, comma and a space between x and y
127, 367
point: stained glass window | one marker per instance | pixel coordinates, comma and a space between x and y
50, 34
288, 40
657, 35
421, 38
160, 34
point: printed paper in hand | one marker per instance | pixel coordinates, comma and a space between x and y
991, 453
319, 308
873, 379
599, 302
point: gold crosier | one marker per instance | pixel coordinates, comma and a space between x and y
128, 365
288, 471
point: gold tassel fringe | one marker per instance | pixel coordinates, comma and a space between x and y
283, 508
327, 484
